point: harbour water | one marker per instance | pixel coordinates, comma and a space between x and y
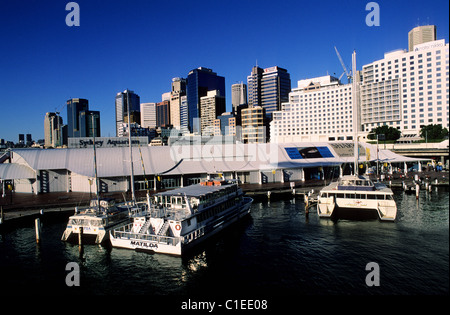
277, 250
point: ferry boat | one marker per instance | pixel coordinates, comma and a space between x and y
179, 219
357, 195
95, 221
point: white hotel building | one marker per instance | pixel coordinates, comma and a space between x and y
319, 109
405, 90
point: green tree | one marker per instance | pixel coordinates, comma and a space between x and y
390, 133
432, 132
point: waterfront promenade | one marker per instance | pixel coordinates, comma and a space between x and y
23, 205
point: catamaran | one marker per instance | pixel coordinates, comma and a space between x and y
179, 219
99, 218
356, 194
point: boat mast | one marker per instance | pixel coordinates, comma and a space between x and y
95, 167
129, 146
355, 114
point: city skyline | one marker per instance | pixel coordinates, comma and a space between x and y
122, 46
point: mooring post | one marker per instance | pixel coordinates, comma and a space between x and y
80, 236
37, 226
268, 194
417, 190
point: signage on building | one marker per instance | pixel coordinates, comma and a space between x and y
105, 142
430, 45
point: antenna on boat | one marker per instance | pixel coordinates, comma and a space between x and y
129, 145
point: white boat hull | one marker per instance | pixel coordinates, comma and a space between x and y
174, 245
386, 209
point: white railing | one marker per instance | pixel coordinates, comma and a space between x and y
123, 233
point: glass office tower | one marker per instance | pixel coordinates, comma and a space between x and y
199, 82
121, 110
74, 107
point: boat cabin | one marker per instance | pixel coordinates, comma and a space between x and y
355, 183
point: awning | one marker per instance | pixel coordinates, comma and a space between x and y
16, 171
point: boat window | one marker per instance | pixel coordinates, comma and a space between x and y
340, 196
370, 196
380, 197
349, 196
360, 196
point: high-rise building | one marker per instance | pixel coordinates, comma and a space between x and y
211, 106
178, 90
407, 89
254, 86
163, 114
148, 115
268, 88
253, 125
74, 107
420, 35
319, 109
184, 119
238, 95
89, 121
81, 122
199, 82
52, 130
122, 109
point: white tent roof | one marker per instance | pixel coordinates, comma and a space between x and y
176, 160
16, 171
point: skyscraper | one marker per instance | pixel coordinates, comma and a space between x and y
199, 82
268, 88
238, 95
420, 35
74, 107
148, 115
89, 123
52, 130
212, 105
122, 110
80, 120
254, 86
163, 114
178, 90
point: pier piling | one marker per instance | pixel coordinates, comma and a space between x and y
417, 190
37, 225
80, 236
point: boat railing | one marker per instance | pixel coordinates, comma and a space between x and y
124, 232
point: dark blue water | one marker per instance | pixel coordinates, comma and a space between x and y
277, 250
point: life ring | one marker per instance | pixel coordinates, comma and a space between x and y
177, 227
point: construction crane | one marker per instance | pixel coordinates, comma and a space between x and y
349, 74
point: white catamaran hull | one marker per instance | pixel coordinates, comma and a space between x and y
176, 245
386, 209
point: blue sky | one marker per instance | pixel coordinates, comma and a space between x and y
142, 44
